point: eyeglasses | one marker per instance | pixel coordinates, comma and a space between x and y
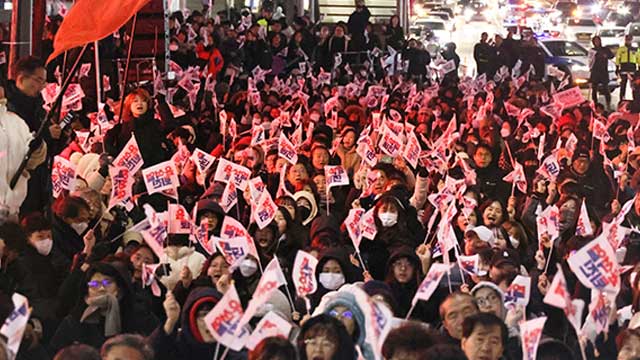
345, 315
403, 263
96, 284
485, 301
319, 343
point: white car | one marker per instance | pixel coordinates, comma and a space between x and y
580, 29
436, 26
448, 20
611, 36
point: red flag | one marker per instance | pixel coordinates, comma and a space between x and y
89, 20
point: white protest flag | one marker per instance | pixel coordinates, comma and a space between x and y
430, 282
14, 326
378, 318
368, 225
352, 223
583, 226
179, 220
271, 325
272, 278
335, 175
596, 267
232, 228
519, 291
599, 129
121, 185
201, 234
229, 197
558, 296
228, 171
517, 178
233, 249
469, 263
82, 138
530, 334
550, 167
155, 237
256, 187
181, 156
548, 222
412, 149
366, 150
599, 314
130, 157
265, 210
63, 174
160, 177
257, 135
202, 160
286, 149
223, 321
304, 273
568, 98
149, 278
624, 210
614, 233
390, 143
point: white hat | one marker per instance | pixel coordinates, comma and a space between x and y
483, 232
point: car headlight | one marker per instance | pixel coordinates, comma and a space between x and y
578, 67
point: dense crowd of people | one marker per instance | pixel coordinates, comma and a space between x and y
292, 191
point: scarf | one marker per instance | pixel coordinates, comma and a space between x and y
111, 307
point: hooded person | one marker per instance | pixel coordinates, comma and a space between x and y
346, 150
333, 270
266, 241
343, 306
325, 232
325, 338
403, 277
193, 340
107, 307
490, 298
393, 232
209, 209
307, 207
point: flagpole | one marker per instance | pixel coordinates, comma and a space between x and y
224, 354
215, 354
413, 306
546, 266
96, 54
126, 67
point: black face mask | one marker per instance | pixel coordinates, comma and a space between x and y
303, 213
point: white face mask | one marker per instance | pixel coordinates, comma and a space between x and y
43, 246
388, 219
437, 113
80, 227
331, 281
514, 242
173, 47
248, 267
